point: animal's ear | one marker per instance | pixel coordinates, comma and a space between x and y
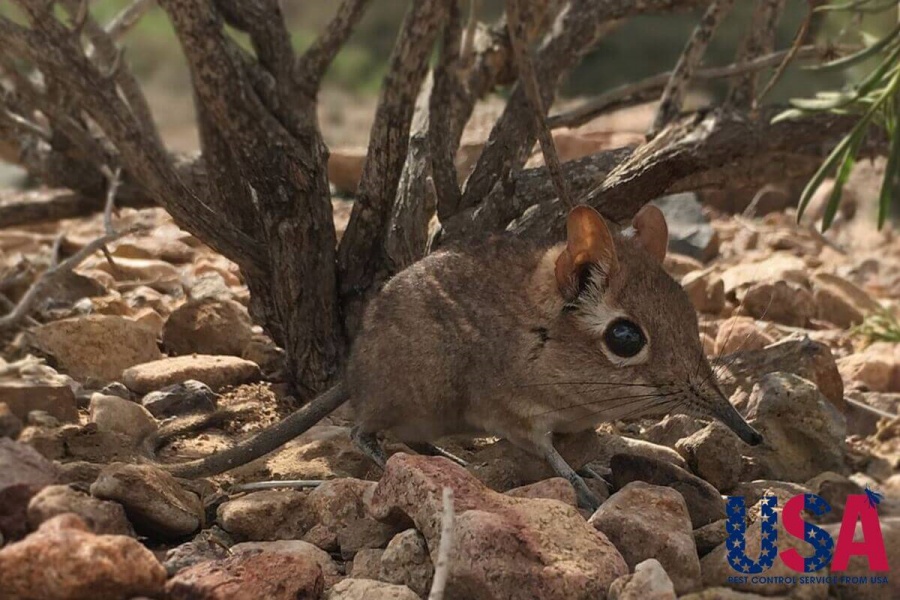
588, 241
651, 231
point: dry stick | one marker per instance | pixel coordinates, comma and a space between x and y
795, 48
312, 65
759, 40
640, 90
529, 81
445, 547
127, 18
467, 49
673, 95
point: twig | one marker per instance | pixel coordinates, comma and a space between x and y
274, 485
127, 18
445, 547
54, 251
467, 49
115, 180
28, 299
673, 95
759, 40
795, 48
645, 89
312, 65
528, 79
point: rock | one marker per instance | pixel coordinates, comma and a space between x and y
150, 320
42, 418
208, 326
406, 562
671, 429
365, 533
10, 425
154, 247
264, 352
100, 516
338, 504
740, 334
704, 503
706, 291
648, 521
504, 547
270, 575
152, 498
215, 371
648, 582
714, 453
723, 593
330, 570
158, 274
802, 357
840, 301
209, 544
708, 537
367, 589
266, 515
22, 396
834, 488
679, 265
96, 347
117, 389
804, 433
345, 168
367, 564
782, 302
613, 444
23, 473
556, 488
112, 413
689, 230
858, 566
84, 566
876, 369
181, 398
778, 266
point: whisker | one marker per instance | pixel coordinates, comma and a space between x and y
630, 413
616, 383
630, 400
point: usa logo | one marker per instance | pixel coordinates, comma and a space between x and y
860, 508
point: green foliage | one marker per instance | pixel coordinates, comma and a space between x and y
882, 326
876, 101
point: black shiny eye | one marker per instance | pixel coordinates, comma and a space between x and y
624, 338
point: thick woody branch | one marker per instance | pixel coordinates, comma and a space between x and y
759, 40
311, 67
576, 30
673, 95
361, 261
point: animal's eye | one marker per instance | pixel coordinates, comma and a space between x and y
624, 338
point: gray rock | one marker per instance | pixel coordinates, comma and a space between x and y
714, 453
704, 503
804, 432
23, 473
209, 544
154, 501
182, 398
648, 521
117, 389
671, 429
10, 425
368, 589
406, 562
363, 533
267, 515
690, 232
708, 537
648, 582
366, 564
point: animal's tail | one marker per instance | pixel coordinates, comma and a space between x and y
266, 440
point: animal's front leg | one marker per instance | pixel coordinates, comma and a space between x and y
586, 498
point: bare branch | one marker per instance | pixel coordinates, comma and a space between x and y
311, 67
795, 49
646, 89
445, 547
528, 80
759, 40
127, 18
673, 95
361, 259
115, 180
467, 49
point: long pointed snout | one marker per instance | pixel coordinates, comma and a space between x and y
729, 415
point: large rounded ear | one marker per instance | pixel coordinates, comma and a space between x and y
651, 231
588, 241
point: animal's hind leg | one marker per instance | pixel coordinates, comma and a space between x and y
368, 443
586, 498
432, 450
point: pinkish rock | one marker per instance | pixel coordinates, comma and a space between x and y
250, 575
740, 333
330, 570
23, 396
877, 368
504, 547
648, 582
208, 326
84, 566
368, 589
101, 516
266, 515
649, 521
405, 561
555, 488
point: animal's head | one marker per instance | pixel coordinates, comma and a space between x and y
628, 327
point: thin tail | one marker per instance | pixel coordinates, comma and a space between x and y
265, 441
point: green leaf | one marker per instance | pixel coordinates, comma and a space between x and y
840, 180
825, 102
870, 6
821, 174
787, 115
890, 187
857, 57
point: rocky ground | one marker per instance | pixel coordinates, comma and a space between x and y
804, 327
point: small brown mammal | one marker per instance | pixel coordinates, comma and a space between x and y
521, 341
